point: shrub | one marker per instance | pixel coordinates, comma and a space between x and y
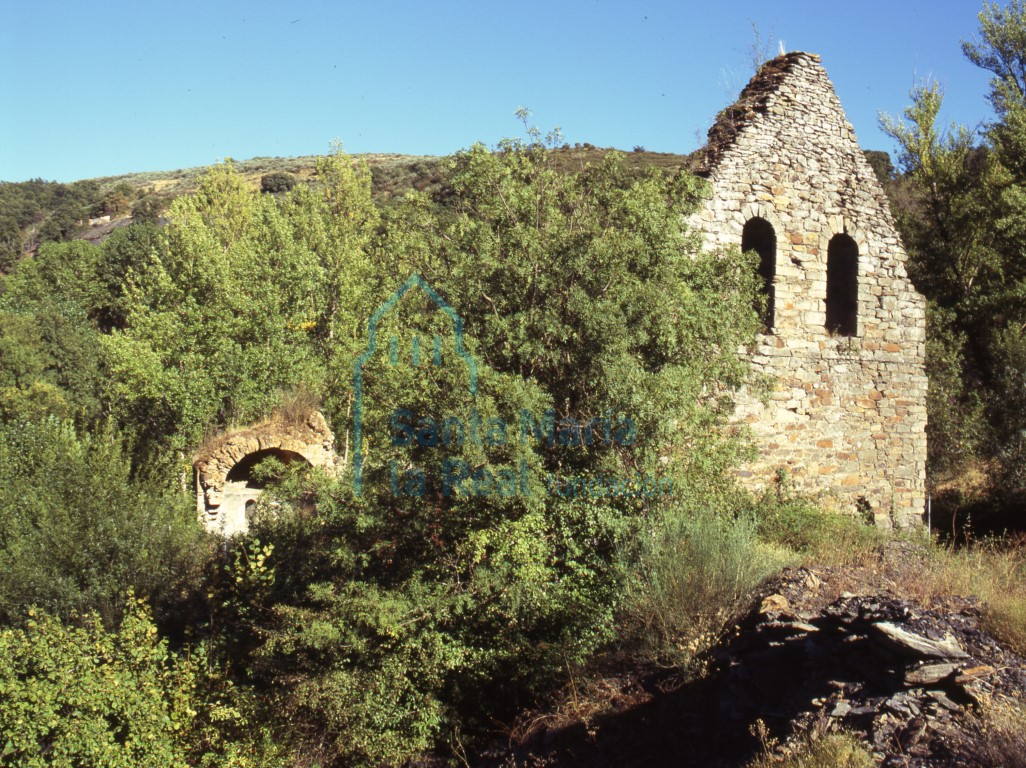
691, 574
998, 734
148, 210
81, 695
276, 182
76, 530
832, 750
805, 528
85, 696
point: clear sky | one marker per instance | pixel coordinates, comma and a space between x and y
102, 88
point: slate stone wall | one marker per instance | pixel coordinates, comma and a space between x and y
846, 417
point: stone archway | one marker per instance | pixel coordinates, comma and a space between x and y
227, 486
245, 483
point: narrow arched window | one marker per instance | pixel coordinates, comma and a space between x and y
842, 289
758, 236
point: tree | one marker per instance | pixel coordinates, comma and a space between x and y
1001, 49
86, 696
962, 211
77, 530
277, 182
395, 615
49, 349
10, 243
881, 164
953, 252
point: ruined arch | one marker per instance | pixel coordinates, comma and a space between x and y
244, 471
842, 286
245, 481
225, 481
759, 235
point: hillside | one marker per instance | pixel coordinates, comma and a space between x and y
37, 211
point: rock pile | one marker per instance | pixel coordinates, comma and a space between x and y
901, 675
835, 648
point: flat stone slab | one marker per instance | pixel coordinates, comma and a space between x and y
930, 673
916, 646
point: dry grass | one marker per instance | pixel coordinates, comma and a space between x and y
816, 750
295, 407
998, 735
992, 570
292, 412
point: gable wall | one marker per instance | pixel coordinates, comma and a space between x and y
847, 415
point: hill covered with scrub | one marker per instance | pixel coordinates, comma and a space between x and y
38, 211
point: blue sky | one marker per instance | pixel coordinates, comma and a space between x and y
94, 89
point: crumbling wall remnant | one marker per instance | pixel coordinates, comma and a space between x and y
845, 340
226, 488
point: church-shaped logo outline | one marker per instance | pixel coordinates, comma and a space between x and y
371, 348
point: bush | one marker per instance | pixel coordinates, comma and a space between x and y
691, 574
76, 530
998, 734
85, 696
802, 526
831, 750
80, 695
277, 182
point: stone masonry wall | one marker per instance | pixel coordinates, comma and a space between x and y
846, 417
219, 505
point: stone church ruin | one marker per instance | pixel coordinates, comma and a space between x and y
843, 336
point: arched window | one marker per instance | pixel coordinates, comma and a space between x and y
842, 289
758, 236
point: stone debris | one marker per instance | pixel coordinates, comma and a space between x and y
913, 645
902, 676
930, 673
808, 658
775, 605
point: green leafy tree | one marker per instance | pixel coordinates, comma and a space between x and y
211, 317
393, 617
1000, 48
77, 530
48, 343
10, 243
83, 696
955, 260
962, 210
881, 164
